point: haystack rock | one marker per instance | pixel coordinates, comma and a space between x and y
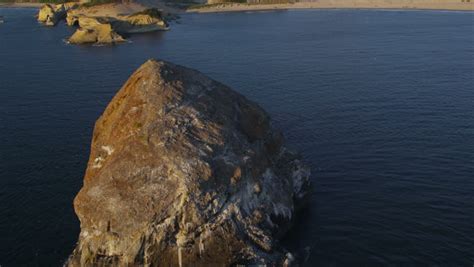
184, 171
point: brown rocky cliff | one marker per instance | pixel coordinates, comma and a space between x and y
183, 171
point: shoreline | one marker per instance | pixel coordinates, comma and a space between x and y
21, 5
236, 7
135, 7
242, 7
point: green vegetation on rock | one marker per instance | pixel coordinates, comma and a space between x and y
98, 2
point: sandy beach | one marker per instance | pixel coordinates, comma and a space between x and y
111, 10
349, 4
462, 5
107, 10
21, 5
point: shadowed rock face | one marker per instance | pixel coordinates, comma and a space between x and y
183, 171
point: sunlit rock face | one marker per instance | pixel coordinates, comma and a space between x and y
145, 21
108, 30
184, 171
95, 30
50, 14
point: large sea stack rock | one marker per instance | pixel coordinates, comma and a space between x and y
184, 171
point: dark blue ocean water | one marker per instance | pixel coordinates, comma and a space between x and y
380, 103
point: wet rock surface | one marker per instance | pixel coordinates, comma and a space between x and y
184, 171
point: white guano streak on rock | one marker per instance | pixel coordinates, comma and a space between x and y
180, 257
201, 245
97, 162
108, 149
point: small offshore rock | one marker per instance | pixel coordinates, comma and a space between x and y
110, 29
50, 14
145, 21
99, 35
95, 30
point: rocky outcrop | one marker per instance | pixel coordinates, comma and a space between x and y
183, 171
145, 21
109, 29
101, 29
101, 34
95, 30
71, 19
50, 14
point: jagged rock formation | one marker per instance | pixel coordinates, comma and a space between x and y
71, 19
101, 29
100, 34
95, 30
183, 171
50, 14
145, 21
109, 29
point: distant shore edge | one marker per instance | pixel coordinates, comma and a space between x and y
22, 5
236, 7
241, 7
